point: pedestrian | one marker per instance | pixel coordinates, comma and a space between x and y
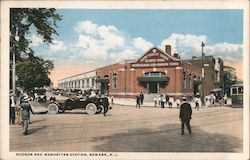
36, 96
26, 109
167, 100
12, 108
225, 99
138, 101
155, 100
105, 103
197, 101
163, 100
159, 100
171, 101
178, 102
185, 115
141, 98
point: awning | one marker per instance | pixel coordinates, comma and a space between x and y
153, 79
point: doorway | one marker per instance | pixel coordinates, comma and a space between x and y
152, 87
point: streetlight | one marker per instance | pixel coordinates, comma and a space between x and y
17, 38
203, 73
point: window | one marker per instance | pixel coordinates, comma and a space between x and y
93, 82
234, 90
154, 74
190, 81
114, 81
83, 83
87, 82
240, 90
184, 80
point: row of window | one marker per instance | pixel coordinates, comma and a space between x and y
188, 78
87, 83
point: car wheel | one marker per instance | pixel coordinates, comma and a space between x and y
100, 109
53, 108
91, 108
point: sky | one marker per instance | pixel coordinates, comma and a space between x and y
90, 38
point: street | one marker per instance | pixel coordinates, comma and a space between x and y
127, 129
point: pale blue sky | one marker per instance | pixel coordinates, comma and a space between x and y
155, 25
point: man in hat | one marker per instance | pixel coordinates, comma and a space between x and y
26, 109
185, 115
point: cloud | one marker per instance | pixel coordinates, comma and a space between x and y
142, 44
124, 55
35, 40
57, 46
190, 45
225, 50
86, 27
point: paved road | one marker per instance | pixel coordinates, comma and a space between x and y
127, 129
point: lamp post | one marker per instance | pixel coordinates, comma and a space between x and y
14, 63
203, 73
125, 87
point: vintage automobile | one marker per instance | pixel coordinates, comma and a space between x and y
92, 105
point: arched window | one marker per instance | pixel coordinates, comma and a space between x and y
154, 74
184, 80
114, 81
190, 81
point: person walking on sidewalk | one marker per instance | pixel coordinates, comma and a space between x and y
185, 115
155, 100
197, 101
141, 97
171, 102
163, 100
105, 103
167, 100
138, 101
26, 109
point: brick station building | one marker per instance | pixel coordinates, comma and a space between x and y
156, 72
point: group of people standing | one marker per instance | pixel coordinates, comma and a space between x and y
139, 100
162, 100
20, 111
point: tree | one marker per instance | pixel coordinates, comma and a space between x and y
32, 71
22, 20
230, 78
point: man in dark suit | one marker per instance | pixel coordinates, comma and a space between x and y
25, 108
185, 115
105, 103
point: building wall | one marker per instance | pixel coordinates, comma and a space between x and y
211, 67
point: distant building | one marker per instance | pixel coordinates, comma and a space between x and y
213, 68
83, 81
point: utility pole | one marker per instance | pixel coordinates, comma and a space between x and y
203, 73
14, 62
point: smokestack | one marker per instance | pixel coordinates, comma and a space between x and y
168, 49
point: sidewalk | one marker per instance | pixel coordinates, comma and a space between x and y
132, 102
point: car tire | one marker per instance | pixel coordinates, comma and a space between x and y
100, 109
91, 108
53, 108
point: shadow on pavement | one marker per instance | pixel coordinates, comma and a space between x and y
34, 130
167, 138
35, 121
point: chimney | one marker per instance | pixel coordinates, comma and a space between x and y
168, 49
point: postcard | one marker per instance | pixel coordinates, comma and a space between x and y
124, 80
